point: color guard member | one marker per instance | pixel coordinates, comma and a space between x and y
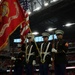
31, 53
45, 54
60, 49
18, 69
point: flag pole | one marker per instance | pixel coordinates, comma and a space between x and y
34, 41
53, 45
53, 55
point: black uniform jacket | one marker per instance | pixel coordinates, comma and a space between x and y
33, 50
20, 59
61, 46
44, 47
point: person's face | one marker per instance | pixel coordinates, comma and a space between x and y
45, 39
59, 36
29, 39
19, 49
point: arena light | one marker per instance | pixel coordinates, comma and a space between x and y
53, 1
38, 8
46, 4
69, 24
35, 33
29, 12
51, 29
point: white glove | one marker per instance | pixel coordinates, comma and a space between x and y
13, 58
54, 50
34, 62
50, 65
51, 59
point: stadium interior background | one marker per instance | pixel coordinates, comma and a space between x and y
56, 14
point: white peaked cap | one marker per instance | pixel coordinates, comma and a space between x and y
45, 34
18, 45
59, 32
30, 35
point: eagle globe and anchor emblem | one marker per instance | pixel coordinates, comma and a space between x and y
5, 9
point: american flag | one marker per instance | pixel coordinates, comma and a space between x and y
24, 28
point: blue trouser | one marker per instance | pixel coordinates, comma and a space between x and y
18, 70
60, 69
43, 69
29, 69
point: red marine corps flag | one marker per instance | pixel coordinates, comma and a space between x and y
0, 13
12, 17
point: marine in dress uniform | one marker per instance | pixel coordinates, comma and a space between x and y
31, 53
45, 55
60, 49
18, 69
